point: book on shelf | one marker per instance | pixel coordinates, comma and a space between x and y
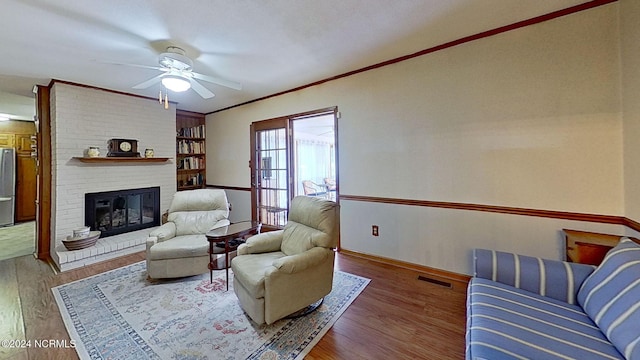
190, 147
193, 132
194, 180
190, 163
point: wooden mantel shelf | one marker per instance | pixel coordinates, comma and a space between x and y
85, 159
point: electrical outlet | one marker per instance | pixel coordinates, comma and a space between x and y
230, 206
374, 230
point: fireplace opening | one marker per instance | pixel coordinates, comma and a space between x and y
117, 212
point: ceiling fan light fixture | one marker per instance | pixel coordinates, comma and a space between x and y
176, 83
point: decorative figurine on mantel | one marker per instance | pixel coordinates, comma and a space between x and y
123, 148
93, 151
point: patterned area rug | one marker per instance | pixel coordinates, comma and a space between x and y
122, 315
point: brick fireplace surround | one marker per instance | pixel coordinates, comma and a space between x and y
83, 117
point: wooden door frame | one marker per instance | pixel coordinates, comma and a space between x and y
288, 121
43, 194
254, 128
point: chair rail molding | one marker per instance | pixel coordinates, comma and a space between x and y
565, 215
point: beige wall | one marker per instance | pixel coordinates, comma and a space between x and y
529, 118
630, 33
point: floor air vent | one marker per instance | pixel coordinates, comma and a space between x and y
434, 281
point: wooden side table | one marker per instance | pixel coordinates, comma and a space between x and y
587, 247
227, 233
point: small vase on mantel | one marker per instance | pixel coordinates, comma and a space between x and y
93, 151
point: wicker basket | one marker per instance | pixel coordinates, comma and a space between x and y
72, 243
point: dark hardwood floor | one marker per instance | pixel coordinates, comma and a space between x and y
396, 317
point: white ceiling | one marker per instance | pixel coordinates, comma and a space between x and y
267, 46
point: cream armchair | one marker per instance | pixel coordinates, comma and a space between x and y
280, 272
179, 247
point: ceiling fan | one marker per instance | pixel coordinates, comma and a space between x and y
178, 75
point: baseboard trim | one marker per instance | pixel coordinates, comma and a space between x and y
52, 265
457, 280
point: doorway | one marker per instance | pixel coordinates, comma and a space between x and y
289, 155
314, 156
18, 175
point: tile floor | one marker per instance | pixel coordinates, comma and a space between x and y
17, 240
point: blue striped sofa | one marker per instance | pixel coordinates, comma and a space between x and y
521, 307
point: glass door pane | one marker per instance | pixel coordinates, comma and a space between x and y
270, 173
272, 160
133, 210
148, 214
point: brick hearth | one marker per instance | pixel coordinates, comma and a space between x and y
105, 249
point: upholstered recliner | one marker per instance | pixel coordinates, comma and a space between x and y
179, 247
280, 272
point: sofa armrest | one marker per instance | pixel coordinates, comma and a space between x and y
299, 262
221, 223
556, 279
261, 243
151, 240
165, 232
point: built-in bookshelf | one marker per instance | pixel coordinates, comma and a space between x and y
191, 160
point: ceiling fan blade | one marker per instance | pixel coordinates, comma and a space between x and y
135, 65
146, 84
230, 84
145, 66
201, 90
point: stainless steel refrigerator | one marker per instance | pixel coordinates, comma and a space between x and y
7, 185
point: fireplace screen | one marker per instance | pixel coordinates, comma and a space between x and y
117, 212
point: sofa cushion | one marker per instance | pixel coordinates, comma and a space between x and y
611, 297
504, 322
200, 200
185, 246
250, 270
196, 222
312, 222
298, 238
560, 280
